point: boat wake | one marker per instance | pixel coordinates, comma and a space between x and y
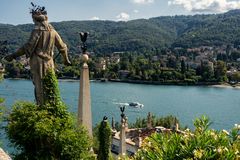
121, 104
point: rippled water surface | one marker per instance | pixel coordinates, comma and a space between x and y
222, 105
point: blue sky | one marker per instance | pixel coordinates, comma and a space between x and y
17, 11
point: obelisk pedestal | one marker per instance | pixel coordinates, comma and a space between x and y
122, 145
84, 102
122, 142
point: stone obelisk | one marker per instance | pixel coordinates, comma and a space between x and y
122, 143
84, 102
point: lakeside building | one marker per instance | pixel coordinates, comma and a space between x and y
123, 73
155, 58
134, 137
115, 59
101, 64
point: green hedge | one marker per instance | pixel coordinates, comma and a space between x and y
47, 132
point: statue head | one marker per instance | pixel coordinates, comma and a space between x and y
39, 14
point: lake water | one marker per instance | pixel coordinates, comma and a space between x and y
222, 105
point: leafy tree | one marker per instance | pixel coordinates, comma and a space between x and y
124, 65
235, 55
222, 57
172, 62
183, 67
220, 71
235, 77
70, 71
205, 71
207, 74
13, 69
48, 131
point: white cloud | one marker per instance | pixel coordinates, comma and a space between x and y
136, 11
142, 1
95, 18
123, 17
207, 5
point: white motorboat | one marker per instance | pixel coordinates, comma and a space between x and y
135, 104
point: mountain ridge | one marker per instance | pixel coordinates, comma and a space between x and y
139, 35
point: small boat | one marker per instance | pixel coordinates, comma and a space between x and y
103, 79
136, 104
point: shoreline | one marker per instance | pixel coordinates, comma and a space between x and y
207, 84
175, 83
226, 86
210, 84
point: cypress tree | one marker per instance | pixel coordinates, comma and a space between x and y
183, 67
104, 137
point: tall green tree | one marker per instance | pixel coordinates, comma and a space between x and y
220, 71
183, 66
104, 137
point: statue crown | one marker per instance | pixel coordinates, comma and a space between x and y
37, 10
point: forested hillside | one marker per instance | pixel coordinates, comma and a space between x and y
139, 35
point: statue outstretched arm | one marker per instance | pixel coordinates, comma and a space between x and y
19, 53
62, 48
28, 48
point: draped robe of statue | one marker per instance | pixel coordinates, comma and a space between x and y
40, 49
